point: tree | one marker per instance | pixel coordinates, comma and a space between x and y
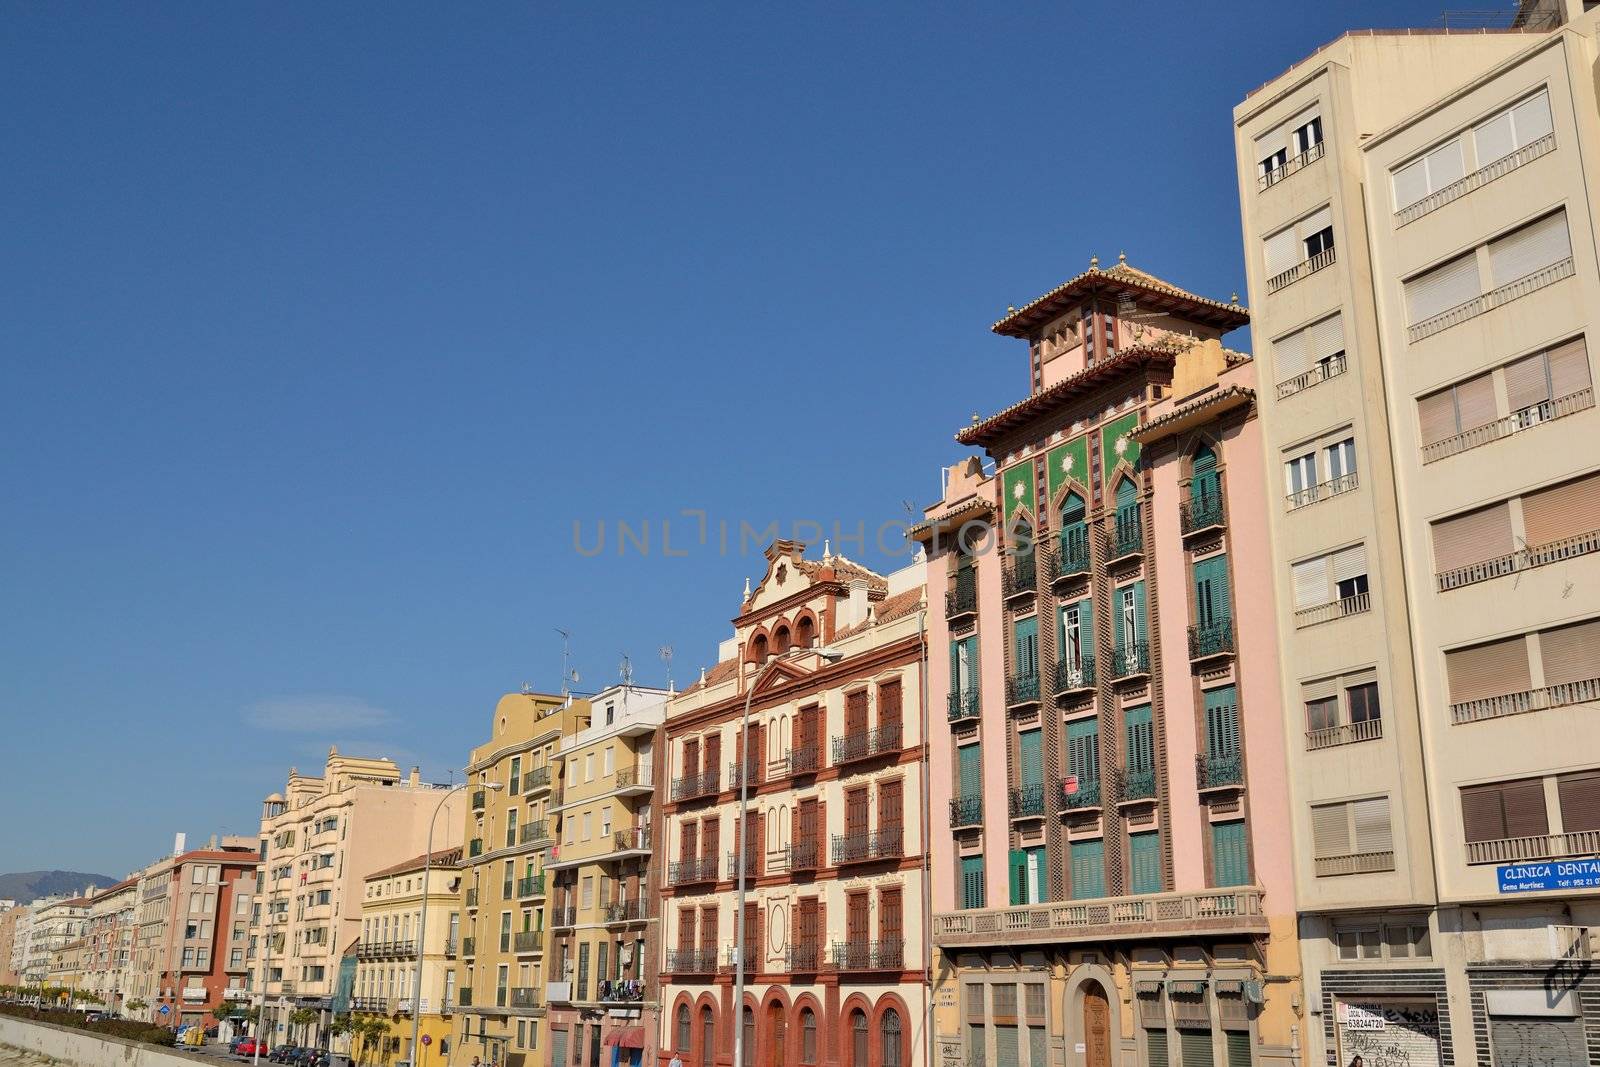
137, 1005
302, 1018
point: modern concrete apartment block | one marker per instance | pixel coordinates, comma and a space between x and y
393, 939
1111, 878
828, 654
1423, 336
320, 838
51, 925
111, 932
512, 820
602, 986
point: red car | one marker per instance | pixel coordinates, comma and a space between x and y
247, 1048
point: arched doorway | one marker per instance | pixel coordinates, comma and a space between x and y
778, 1029
1096, 1026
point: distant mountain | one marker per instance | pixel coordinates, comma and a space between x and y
24, 886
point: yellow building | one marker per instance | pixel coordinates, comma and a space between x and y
512, 821
392, 938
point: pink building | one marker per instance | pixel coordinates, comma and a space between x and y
1115, 887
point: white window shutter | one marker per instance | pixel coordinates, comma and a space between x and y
1446, 164
1531, 119
1282, 252
1349, 563
1493, 139
1273, 141
1311, 583
1292, 355
1327, 337
1316, 223
1442, 288
1410, 184
1532, 248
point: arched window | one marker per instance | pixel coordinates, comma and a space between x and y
805, 632
758, 649
685, 1035
748, 1053
708, 1036
780, 640
1074, 536
858, 1038
889, 1029
1127, 534
808, 1036
1203, 481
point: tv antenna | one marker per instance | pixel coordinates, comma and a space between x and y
666, 657
568, 675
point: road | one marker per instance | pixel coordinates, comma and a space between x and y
211, 1055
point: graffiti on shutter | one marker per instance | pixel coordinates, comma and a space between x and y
1387, 1033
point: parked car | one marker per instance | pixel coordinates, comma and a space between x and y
233, 1046
251, 1046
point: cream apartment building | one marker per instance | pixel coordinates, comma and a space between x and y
510, 825
110, 932
53, 924
320, 838
602, 976
1421, 258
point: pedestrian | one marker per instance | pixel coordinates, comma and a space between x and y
1356, 1061
677, 1061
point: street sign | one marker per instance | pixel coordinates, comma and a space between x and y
1540, 876
1069, 784
163, 1010
427, 1039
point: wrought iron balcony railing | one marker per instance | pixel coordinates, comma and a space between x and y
869, 955
694, 786
803, 959
472, 897
1071, 677
1022, 690
527, 941
963, 704
536, 779
803, 759
692, 871
625, 911
1202, 512
1220, 770
804, 856
564, 916
1211, 639
736, 773
1087, 795
852, 748
966, 811
479, 799
538, 830
1072, 556
752, 863
1020, 578
1131, 660
531, 885
692, 961
1027, 802
1127, 533
869, 846
962, 600
1139, 783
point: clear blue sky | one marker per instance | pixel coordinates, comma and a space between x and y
322, 326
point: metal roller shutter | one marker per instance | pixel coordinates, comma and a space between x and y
1569, 368
1530, 249
1293, 354
1330, 830
1527, 382
1490, 670
1571, 653
1195, 1046
1562, 511
1545, 1042
1442, 288
1436, 417
1326, 338
1372, 826
1311, 583
1155, 1042
1531, 119
1475, 403
1524, 807
1349, 563
1472, 538
1238, 1048
1580, 801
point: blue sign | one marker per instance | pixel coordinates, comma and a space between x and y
164, 1010
1544, 875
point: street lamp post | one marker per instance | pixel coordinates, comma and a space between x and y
828, 655
422, 924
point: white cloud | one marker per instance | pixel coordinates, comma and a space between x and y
314, 713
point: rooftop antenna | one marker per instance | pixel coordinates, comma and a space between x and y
626, 670
666, 657
568, 675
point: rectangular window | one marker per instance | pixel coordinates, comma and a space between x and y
1083, 750
1030, 754
1141, 739
964, 665
1144, 862
972, 891
1530, 249
1230, 853
1429, 173
1076, 639
1441, 288
1025, 642
970, 760
1517, 127
1504, 810
1088, 862
1316, 348
1212, 607
1222, 722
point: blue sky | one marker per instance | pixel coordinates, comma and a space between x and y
324, 325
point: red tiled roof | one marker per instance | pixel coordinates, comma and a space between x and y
844, 570
895, 607
1120, 279
716, 675
450, 857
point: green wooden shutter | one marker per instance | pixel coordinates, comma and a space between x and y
1222, 722
1127, 494
1211, 594
1031, 757
1229, 854
972, 661
1196, 1048
971, 770
1203, 483
1041, 877
1025, 636
1005, 1046
1144, 862
1118, 638
1238, 1048
1083, 750
1140, 626
1017, 866
955, 666
972, 895
1088, 869
1155, 1042
1141, 738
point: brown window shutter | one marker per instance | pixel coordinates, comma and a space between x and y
855, 810
1562, 511
1490, 670
1569, 368
713, 759
1580, 801
855, 713
890, 920
1330, 830
890, 804
1527, 382
1472, 538
1525, 811
1571, 653
1483, 815
889, 697
708, 929
1437, 416
1475, 402
691, 757
855, 917
713, 837
686, 929
688, 840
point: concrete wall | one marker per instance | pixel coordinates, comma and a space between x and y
81, 1047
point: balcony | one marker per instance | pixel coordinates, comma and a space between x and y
856, 747
403, 949
1348, 733
803, 959
1020, 579
961, 602
1304, 269
1580, 843
524, 998
527, 941
736, 774
1199, 513
696, 786
1022, 691
480, 799
451, 946
692, 961
1586, 691
635, 779
536, 831
868, 846
531, 885
625, 911
963, 705
1138, 784
696, 871
1072, 678
1529, 417
1126, 534
1214, 639
1085, 798
475, 847
536, 779
464, 996
803, 759
619, 991
1334, 609
805, 856
1327, 490
752, 864
1476, 180
630, 842
370, 1005
1209, 913
472, 897
1027, 802
966, 812
1331, 367
1131, 661
859, 956
1525, 559
1220, 771
1071, 557
469, 948
1291, 166
1486, 302
1355, 863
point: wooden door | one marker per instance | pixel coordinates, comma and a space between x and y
808, 923
713, 836
1096, 1026
890, 917
855, 713
691, 757
856, 918
891, 812
855, 811
805, 837
889, 711
780, 1034
712, 764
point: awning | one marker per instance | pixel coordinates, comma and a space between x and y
626, 1037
